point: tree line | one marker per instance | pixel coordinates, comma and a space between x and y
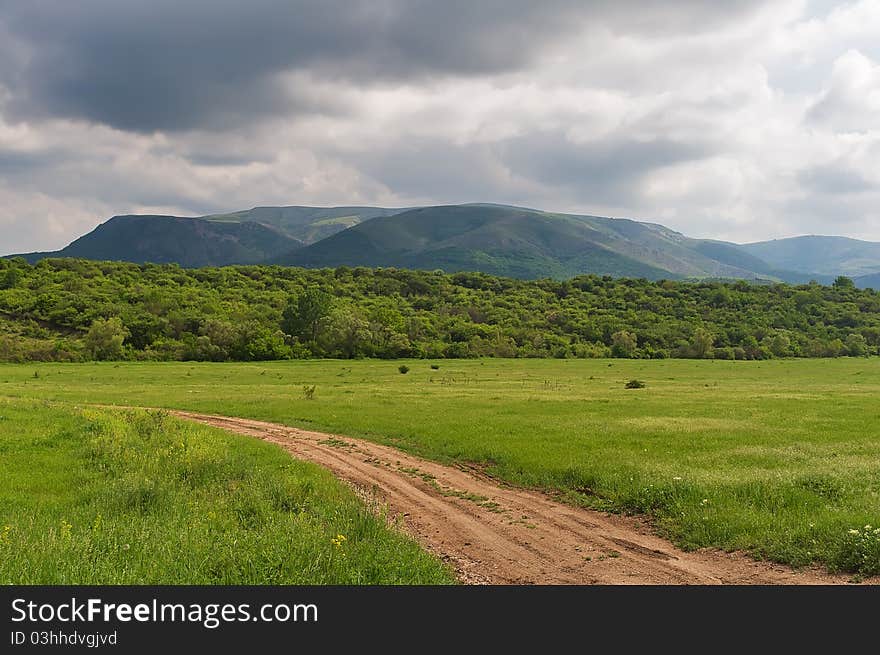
79, 310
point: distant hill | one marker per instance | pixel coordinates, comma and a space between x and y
524, 243
306, 224
190, 242
497, 239
869, 281
821, 255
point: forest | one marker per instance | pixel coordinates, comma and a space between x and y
82, 310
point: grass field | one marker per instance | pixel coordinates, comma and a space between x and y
780, 458
117, 497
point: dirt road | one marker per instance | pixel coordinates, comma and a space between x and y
496, 534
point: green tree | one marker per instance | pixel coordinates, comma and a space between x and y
703, 343
10, 279
856, 345
623, 344
305, 314
834, 348
843, 282
779, 344
105, 338
348, 333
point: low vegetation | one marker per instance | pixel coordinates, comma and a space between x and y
778, 458
76, 310
134, 497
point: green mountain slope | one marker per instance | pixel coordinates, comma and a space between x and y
823, 255
306, 224
517, 242
190, 242
498, 239
735, 255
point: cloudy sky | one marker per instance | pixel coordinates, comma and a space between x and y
741, 120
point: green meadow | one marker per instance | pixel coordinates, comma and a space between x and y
780, 458
134, 497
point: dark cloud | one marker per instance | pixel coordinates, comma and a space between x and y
200, 106
173, 65
603, 170
543, 165
835, 179
14, 163
431, 168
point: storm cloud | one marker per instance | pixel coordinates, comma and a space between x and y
718, 119
177, 65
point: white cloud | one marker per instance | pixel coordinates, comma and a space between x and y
851, 101
762, 122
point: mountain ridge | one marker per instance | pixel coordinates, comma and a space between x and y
494, 238
190, 242
819, 254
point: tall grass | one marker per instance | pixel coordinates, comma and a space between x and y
135, 497
779, 458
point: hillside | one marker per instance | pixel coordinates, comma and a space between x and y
521, 243
306, 224
73, 309
497, 239
868, 281
821, 255
189, 242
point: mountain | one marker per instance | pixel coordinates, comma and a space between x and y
306, 224
190, 242
524, 243
822, 255
498, 239
869, 281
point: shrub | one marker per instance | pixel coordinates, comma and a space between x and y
403, 368
623, 344
435, 367
859, 551
309, 392
635, 384
104, 338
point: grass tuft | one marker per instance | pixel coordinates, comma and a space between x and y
137, 497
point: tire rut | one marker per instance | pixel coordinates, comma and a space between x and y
494, 533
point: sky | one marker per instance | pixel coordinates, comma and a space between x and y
740, 120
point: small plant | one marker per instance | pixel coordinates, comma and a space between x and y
309, 392
635, 384
435, 367
859, 551
403, 368
36, 375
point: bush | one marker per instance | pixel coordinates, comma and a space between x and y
635, 384
104, 338
403, 368
724, 353
435, 367
859, 551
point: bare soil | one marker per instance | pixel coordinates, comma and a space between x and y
492, 533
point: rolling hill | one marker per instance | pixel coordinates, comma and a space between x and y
822, 255
525, 243
869, 281
498, 239
189, 242
306, 224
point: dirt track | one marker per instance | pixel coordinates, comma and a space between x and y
496, 534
